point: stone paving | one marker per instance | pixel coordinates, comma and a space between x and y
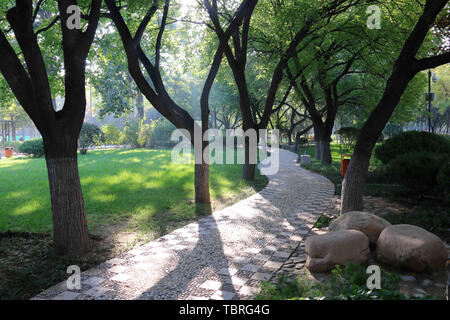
224, 256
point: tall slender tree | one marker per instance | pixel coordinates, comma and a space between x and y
155, 90
237, 52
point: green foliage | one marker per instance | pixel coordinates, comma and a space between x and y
443, 179
392, 129
416, 170
162, 132
33, 147
145, 134
130, 134
287, 288
349, 135
409, 141
323, 221
344, 283
13, 144
156, 134
350, 283
111, 134
90, 135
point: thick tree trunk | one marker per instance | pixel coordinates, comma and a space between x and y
353, 183
70, 230
202, 183
248, 171
317, 152
325, 152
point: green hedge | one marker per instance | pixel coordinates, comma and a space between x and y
33, 147
417, 170
443, 179
412, 141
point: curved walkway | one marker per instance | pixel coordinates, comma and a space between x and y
223, 256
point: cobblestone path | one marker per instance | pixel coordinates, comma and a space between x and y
223, 256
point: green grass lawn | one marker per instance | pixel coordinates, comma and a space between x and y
142, 186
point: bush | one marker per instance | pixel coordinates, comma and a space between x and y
162, 132
443, 179
130, 134
112, 134
416, 170
33, 147
90, 135
409, 141
145, 134
13, 144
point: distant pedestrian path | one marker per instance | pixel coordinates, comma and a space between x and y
223, 256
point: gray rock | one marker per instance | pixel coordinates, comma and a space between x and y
325, 251
408, 246
369, 224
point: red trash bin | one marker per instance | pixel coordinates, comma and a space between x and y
345, 161
8, 152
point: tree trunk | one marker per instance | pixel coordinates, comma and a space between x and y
354, 182
317, 152
70, 230
202, 183
248, 169
325, 152
13, 128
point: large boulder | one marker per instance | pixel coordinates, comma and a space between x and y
369, 224
411, 247
325, 251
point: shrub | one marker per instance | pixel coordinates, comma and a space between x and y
409, 141
416, 170
33, 147
13, 144
443, 179
90, 135
130, 134
162, 132
112, 134
302, 141
145, 134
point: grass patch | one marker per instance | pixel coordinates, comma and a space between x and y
141, 186
344, 283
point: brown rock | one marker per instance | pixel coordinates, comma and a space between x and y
369, 224
412, 247
336, 248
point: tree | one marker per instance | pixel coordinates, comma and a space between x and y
237, 51
157, 94
60, 130
405, 68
